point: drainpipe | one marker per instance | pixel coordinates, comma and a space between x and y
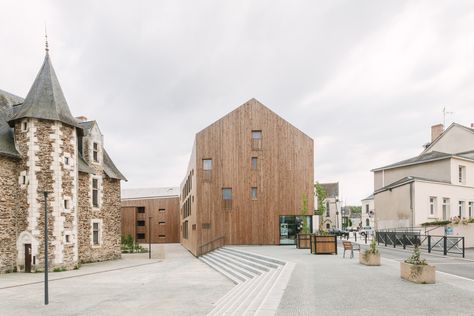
411, 206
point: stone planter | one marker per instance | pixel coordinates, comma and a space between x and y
369, 259
303, 241
422, 274
323, 244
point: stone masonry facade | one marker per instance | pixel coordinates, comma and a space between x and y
64, 157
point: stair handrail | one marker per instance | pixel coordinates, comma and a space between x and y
209, 243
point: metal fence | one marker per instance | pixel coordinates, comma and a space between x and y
431, 243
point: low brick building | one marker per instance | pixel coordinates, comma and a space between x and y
43, 148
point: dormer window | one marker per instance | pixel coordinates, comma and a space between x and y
95, 152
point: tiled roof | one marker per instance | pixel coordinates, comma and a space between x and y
7, 101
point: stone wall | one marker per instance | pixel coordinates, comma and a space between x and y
8, 208
108, 215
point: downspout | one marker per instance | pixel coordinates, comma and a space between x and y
411, 205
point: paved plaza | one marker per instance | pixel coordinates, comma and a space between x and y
174, 282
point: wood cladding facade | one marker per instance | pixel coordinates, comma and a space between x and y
164, 223
284, 173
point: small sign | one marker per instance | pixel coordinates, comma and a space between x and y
448, 231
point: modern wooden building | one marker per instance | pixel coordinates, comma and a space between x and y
151, 212
247, 178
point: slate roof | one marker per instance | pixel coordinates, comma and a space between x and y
7, 101
110, 168
45, 100
431, 156
406, 180
147, 193
332, 189
370, 197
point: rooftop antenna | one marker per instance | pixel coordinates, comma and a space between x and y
46, 47
444, 116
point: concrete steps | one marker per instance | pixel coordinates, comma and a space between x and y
255, 276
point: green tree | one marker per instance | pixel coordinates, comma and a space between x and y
304, 211
321, 209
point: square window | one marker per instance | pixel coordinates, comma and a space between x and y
257, 134
161, 210
140, 235
140, 223
140, 209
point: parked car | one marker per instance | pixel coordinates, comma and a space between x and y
366, 230
338, 232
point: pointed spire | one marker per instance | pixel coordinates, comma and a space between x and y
45, 100
46, 47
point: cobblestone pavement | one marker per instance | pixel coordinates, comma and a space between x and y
331, 285
173, 282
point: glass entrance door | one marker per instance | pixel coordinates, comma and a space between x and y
292, 225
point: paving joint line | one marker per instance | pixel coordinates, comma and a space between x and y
79, 275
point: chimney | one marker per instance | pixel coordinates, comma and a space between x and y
81, 118
436, 130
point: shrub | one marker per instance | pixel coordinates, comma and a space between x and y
415, 258
436, 223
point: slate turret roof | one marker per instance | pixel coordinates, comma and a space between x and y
45, 100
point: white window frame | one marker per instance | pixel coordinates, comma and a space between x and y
24, 126
23, 179
462, 174
433, 205
446, 206
470, 207
461, 208
99, 192
99, 233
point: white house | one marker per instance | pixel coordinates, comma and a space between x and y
436, 185
368, 211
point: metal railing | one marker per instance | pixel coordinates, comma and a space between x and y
431, 243
211, 245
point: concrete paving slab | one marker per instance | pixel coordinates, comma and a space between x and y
177, 285
331, 285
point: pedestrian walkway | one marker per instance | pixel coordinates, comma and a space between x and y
331, 285
172, 282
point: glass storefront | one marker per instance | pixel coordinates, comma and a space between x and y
291, 225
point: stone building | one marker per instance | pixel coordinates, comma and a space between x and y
43, 148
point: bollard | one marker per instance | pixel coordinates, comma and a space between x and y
366, 239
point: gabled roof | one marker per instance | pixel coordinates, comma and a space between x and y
148, 193
407, 180
432, 156
45, 100
444, 133
332, 189
370, 197
110, 169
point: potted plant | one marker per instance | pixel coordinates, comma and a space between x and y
303, 237
371, 256
322, 242
417, 270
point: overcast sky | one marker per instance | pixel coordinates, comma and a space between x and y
365, 79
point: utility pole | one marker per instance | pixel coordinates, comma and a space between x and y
46, 294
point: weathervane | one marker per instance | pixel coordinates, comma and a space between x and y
444, 115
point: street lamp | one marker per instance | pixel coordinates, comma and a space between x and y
46, 294
149, 237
